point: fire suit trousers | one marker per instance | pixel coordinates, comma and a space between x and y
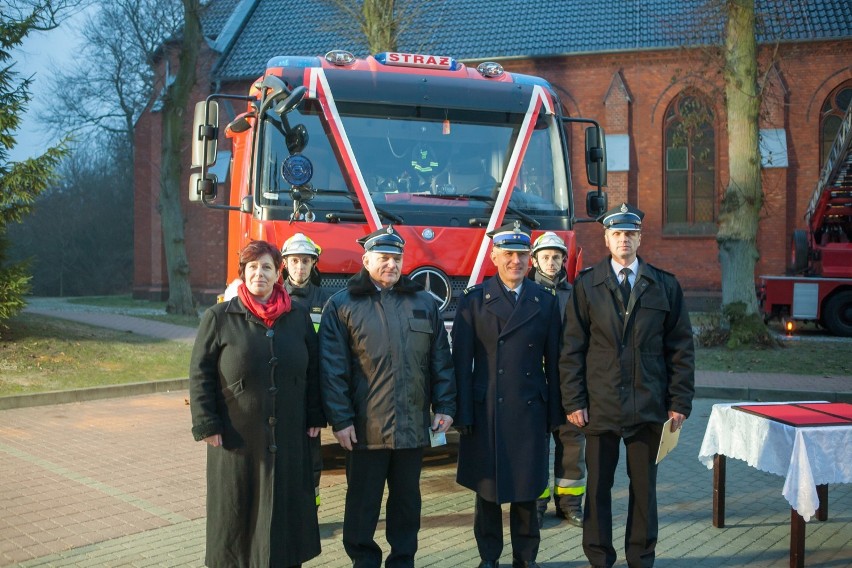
315, 447
569, 470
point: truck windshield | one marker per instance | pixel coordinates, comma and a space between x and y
433, 166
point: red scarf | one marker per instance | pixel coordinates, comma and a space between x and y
277, 304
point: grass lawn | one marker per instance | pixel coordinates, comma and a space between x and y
39, 354
820, 358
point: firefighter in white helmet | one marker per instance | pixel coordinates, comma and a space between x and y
302, 282
569, 468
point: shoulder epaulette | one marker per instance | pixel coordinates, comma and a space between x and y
472, 288
658, 269
550, 289
586, 269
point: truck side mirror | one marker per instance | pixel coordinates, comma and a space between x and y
596, 203
202, 189
205, 134
595, 156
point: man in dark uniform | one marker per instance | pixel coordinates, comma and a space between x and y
627, 365
505, 352
301, 280
385, 365
569, 466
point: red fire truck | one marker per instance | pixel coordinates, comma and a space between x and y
336, 147
819, 286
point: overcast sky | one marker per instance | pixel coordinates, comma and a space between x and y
38, 54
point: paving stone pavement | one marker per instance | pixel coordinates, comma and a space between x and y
120, 482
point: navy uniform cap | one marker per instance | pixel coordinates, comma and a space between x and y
511, 236
384, 240
622, 217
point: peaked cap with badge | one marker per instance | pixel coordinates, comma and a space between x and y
511, 236
622, 217
383, 240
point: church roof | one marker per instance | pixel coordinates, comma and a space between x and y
503, 29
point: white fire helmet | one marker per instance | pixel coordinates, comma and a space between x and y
300, 244
549, 240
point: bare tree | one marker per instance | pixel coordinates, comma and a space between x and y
77, 233
175, 100
378, 22
112, 81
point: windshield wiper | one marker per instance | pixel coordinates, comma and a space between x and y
384, 213
533, 223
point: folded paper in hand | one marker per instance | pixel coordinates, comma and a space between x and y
667, 441
437, 438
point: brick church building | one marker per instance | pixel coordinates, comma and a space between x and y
636, 66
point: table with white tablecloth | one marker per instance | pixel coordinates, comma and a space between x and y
809, 458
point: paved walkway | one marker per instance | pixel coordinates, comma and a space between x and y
120, 482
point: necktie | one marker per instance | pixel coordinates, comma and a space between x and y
513, 294
625, 285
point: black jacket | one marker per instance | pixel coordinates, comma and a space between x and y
627, 365
385, 363
560, 284
311, 297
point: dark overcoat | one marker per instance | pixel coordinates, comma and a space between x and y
631, 364
506, 361
259, 389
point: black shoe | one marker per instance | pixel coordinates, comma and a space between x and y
489, 564
574, 517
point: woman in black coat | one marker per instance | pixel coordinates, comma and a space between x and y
254, 397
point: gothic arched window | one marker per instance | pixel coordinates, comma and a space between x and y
689, 180
831, 116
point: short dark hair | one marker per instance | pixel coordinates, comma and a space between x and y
255, 250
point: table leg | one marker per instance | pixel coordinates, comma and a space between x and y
719, 463
797, 540
822, 494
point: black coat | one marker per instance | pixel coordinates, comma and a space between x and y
259, 389
385, 363
311, 296
506, 361
627, 370
561, 285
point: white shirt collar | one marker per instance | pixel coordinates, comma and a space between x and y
633, 266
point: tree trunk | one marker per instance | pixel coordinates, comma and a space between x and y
379, 25
739, 215
171, 213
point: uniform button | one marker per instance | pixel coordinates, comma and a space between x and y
273, 361
273, 421
501, 342
530, 345
528, 374
273, 448
500, 372
500, 400
529, 403
270, 333
273, 390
